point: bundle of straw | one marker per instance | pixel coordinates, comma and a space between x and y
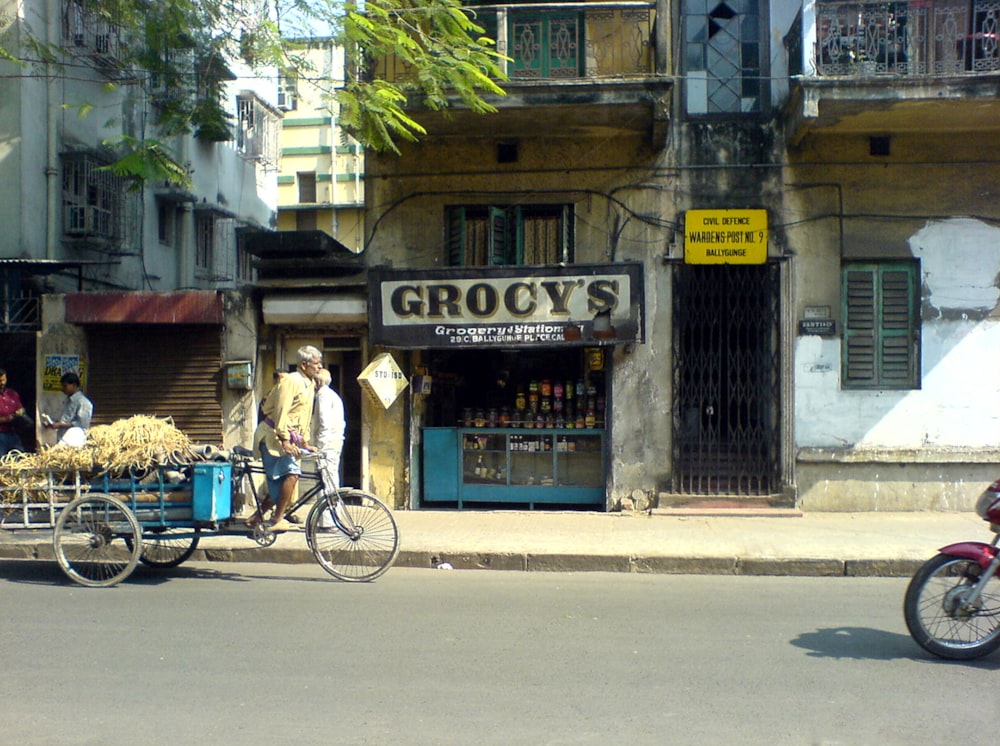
128, 446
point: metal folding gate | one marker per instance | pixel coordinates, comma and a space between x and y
726, 402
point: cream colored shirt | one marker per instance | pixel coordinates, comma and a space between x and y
289, 406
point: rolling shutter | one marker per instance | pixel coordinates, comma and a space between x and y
162, 371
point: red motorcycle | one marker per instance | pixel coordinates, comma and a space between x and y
952, 605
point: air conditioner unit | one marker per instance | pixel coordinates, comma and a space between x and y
286, 101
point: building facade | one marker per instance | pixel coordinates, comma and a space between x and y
807, 193
127, 285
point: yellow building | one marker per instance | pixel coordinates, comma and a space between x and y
321, 178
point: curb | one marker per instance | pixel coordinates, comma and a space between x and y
535, 562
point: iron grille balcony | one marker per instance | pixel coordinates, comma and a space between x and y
565, 41
919, 38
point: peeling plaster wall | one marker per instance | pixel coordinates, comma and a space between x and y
958, 404
931, 448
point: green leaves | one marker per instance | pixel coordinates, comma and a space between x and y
146, 160
412, 54
402, 56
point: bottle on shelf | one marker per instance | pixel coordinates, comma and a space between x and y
480, 467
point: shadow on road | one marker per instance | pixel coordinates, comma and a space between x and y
864, 643
48, 572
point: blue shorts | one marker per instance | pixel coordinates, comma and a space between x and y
276, 468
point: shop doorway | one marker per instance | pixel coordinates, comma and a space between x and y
342, 357
726, 401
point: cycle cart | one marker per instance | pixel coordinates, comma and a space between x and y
103, 527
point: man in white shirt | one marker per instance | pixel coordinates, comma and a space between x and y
330, 425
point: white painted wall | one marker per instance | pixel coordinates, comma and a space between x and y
958, 405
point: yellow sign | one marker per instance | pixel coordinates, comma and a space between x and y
725, 236
383, 380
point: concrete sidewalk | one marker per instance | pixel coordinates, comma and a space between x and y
666, 541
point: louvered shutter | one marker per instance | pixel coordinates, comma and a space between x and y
881, 327
456, 237
499, 238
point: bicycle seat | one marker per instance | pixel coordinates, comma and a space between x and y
242, 452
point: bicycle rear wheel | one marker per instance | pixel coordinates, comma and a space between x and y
360, 544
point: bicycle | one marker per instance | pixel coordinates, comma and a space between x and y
350, 532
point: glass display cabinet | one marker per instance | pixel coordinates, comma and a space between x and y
528, 466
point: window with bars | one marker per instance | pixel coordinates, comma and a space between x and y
257, 130
881, 312
93, 202
204, 252
723, 49
491, 236
244, 259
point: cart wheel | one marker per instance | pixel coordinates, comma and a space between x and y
359, 543
167, 547
85, 545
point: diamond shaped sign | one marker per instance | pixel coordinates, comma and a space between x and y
383, 380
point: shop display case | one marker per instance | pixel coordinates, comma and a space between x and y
527, 466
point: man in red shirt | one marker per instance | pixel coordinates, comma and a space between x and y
10, 406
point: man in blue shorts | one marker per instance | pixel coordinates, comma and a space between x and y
283, 433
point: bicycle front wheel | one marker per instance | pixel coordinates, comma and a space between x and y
357, 544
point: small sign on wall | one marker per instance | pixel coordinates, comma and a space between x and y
725, 236
383, 380
816, 321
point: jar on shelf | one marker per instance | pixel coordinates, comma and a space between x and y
492, 418
479, 418
504, 417
580, 422
557, 390
590, 419
545, 404
580, 390
546, 388
520, 400
467, 417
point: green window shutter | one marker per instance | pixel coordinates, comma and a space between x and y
897, 350
499, 238
516, 252
859, 327
456, 237
881, 326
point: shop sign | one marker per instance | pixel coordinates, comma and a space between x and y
725, 236
383, 380
551, 306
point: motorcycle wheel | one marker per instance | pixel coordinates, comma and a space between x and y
936, 613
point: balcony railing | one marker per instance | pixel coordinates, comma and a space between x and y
919, 38
565, 41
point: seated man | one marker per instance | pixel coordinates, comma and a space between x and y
282, 435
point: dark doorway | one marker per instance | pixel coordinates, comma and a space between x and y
726, 408
342, 357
